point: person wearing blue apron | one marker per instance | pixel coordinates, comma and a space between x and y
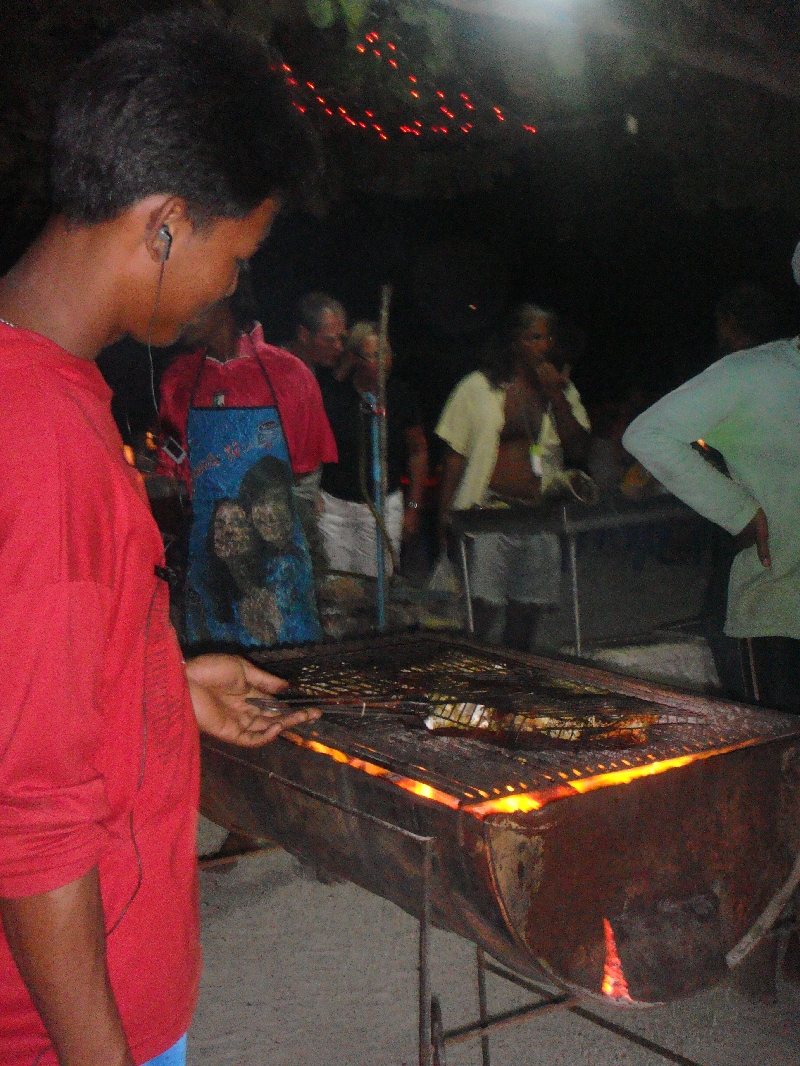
249, 579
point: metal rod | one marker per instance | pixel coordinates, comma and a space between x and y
753, 674
425, 1054
354, 710
573, 570
379, 454
424, 956
367, 709
347, 809
462, 547
482, 1006
590, 1016
509, 1017
333, 701
380, 571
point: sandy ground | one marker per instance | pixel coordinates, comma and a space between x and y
298, 973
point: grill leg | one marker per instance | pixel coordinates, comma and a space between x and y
482, 1007
437, 1034
462, 548
424, 951
576, 603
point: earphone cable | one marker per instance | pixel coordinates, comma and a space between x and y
150, 339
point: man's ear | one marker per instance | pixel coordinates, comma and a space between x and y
303, 335
167, 220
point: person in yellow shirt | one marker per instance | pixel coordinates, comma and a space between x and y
508, 429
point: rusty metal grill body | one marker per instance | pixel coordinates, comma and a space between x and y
675, 841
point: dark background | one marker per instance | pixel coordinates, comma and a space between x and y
633, 236
641, 281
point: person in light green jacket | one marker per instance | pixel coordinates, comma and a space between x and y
747, 407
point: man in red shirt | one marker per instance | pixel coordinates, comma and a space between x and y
173, 147
232, 385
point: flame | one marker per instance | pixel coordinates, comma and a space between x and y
522, 802
614, 983
534, 801
419, 788
509, 804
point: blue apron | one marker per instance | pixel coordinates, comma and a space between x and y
249, 578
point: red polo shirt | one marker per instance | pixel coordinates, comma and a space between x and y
261, 375
99, 755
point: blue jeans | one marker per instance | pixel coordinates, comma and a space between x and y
174, 1056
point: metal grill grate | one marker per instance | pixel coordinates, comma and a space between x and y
502, 726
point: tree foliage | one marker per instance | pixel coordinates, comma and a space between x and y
711, 84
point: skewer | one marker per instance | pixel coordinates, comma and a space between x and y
365, 709
348, 701
419, 709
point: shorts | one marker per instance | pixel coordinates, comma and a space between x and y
174, 1056
522, 567
348, 531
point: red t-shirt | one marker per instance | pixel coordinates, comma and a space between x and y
241, 382
99, 753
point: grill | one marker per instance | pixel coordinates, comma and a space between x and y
611, 835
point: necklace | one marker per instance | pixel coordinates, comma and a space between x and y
7, 323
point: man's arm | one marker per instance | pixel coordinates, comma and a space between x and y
58, 942
454, 466
661, 439
755, 533
573, 436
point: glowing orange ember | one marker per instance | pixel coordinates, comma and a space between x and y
419, 788
522, 802
534, 801
614, 983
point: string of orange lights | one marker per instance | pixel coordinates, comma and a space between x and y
460, 109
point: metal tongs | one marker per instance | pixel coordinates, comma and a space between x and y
413, 710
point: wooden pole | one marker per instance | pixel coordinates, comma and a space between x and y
380, 465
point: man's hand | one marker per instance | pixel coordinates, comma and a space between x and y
220, 686
755, 532
553, 381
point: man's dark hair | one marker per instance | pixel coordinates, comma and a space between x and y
179, 105
312, 307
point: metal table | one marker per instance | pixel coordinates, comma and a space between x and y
567, 519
